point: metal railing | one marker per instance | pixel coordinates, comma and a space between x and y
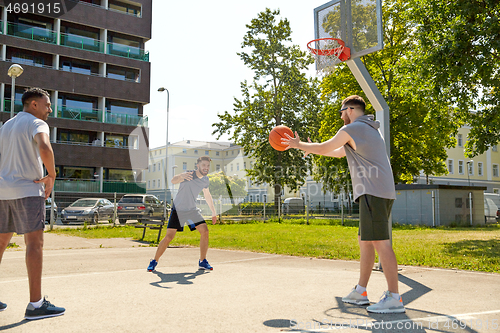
82, 42
126, 119
93, 186
127, 51
30, 32
66, 112
76, 41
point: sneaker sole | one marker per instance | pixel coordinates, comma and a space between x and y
401, 310
357, 303
45, 316
3, 309
205, 269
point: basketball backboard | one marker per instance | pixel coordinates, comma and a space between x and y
357, 22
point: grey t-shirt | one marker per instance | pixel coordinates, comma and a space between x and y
185, 199
369, 165
20, 162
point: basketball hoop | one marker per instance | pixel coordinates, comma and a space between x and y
328, 53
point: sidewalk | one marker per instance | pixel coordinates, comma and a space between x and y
104, 286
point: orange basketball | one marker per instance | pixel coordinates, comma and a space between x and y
276, 134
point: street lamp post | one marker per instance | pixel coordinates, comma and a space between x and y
14, 71
162, 89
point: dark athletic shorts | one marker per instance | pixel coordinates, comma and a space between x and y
374, 217
191, 218
22, 216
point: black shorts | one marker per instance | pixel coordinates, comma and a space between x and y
22, 216
374, 215
179, 220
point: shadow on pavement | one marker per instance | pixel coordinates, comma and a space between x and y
179, 278
6, 327
361, 319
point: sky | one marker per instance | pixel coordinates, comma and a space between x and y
193, 54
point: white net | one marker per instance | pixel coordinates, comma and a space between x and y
327, 53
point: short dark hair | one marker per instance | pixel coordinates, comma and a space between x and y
203, 158
31, 93
355, 100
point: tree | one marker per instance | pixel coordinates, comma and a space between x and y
279, 95
220, 184
421, 127
461, 53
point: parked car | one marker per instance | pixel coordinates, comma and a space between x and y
490, 211
91, 210
293, 206
48, 205
139, 206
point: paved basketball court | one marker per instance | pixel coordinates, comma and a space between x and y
105, 287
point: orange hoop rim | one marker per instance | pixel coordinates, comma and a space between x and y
342, 52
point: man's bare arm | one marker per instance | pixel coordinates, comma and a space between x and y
47, 156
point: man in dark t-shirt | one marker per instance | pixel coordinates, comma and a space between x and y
184, 211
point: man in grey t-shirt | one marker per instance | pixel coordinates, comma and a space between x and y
373, 187
24, 149
184, 212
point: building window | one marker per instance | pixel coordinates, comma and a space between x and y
470, 166
149, 184
159, 184
154, 183
227, 153
196, 151
184, 151
479, 168
154, 167
450, 166
184, 166
494, 148
231, 166
206, 152
217, 167
237, 167
460, 167
496, 190
232, 152
495, 170
159, 166
244, 165
460, 141
217, 153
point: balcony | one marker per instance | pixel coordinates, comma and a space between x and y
31, 32
126, 119
75, 41
93, 186
127, 51
18, 105
82, 42
66, 112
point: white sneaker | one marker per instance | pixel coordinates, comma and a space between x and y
356, 298
387, 304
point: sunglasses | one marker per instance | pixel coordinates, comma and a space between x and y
342, 110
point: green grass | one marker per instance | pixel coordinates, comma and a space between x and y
476, 249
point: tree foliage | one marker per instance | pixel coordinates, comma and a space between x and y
421, 127
228, 187
280, 94
460, 44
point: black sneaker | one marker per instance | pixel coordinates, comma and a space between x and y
3, 306
45, 311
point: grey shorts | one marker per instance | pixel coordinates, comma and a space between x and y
22, 216
374, 217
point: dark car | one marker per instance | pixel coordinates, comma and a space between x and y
91, 210
48, 205
139, 206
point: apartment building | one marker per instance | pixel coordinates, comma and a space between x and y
482, 170
92, 61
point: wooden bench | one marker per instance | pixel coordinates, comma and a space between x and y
151, 224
